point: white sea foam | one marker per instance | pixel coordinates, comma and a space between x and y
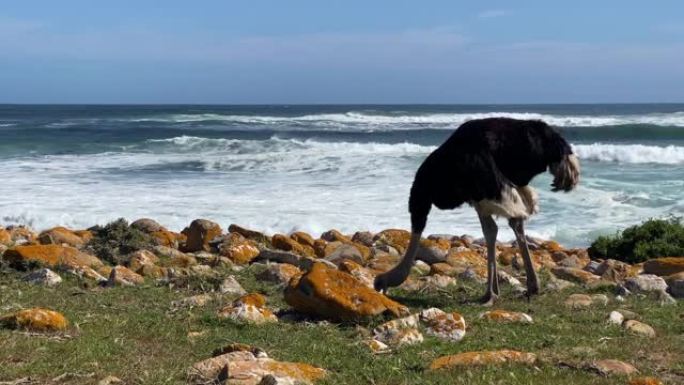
191, 143
630, 153
601, 152
280, 185
403, 120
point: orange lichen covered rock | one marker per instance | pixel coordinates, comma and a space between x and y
440, 243
249, 308
22, 234
444, 268
507, 255
506, 316
152, 271
183, 261
614, 271
613, 367
448, 326
383, 262
302, 238
141, 257
62, 235
465, 258
285, 243
168, 238
376, 347
123, 276
241, 253
280, 273
324, 250
303, 373
85, 272
484, 358
199, 234
5, 237
36, 319
399, 239
364, 250
86, 235
357, 271
51, 255
335, 236
543, 258
580, 301
552, 246
147, 225
245, 368
363, 237
639, 328
664, 266
254, 299
249, 313
331, 293
249, 234
645, 381
319, 247
574, 275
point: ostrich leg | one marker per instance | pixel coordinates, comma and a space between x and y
490, 230
400, 272
532, 280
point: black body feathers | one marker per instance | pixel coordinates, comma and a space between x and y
479, 160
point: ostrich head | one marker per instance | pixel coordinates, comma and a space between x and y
565, 173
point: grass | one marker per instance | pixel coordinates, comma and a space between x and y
134, 334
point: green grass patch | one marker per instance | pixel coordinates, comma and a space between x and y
134, 334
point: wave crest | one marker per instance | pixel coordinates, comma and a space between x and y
600, 152
407, 121
630, 153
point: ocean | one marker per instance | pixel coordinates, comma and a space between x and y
282, 168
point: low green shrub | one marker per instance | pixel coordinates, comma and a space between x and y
116, 239
651, 239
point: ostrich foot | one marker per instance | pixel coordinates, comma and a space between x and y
488, 299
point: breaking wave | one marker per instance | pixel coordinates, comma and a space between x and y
630, 153
600, 152
399, 120
187, 143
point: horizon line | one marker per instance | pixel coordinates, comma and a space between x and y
341, 104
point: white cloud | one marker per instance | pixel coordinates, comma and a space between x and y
492, 13
670, 28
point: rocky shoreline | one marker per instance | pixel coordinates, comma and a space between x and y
326, 278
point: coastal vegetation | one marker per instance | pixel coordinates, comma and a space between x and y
651, 239
117, 238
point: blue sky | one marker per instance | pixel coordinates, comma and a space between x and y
348, 51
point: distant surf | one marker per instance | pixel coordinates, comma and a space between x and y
374, 120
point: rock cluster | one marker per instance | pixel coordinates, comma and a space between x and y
330, 278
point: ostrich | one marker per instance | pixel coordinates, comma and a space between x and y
488, 163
